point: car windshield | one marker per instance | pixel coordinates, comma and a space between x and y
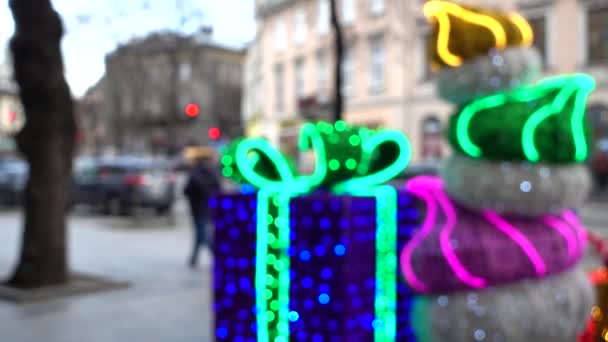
602, 144
136, 164
15, 165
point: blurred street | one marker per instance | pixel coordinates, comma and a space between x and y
166, 301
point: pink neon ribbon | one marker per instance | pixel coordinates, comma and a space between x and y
515, 235
416, 186
564, 230
448, 252
581, 232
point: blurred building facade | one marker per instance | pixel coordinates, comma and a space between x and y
12, 117
152, 83
255, 125
378, 67
93, 136
387, 79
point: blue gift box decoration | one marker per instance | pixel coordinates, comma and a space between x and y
314, 257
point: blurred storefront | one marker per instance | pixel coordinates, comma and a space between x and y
255, 126
597, 114
12, 120
288, 137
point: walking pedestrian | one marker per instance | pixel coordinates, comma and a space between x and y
202, 183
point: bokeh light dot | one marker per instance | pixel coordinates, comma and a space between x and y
279, 265
305, 255
334, 165
294, 316
324, 298
222, 333
354, 140
339, 250
351, 164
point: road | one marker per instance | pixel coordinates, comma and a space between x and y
166, 302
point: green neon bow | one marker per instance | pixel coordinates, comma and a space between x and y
543, 122
349, 159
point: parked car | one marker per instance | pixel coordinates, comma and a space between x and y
13, 176
119, 185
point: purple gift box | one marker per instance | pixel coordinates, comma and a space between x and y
332, 267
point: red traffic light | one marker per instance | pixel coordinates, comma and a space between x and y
214, 133
192, 110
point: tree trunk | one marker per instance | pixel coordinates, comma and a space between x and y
46, 141
339, 51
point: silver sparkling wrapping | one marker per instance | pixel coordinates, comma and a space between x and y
499, 71
515, 187
552, 309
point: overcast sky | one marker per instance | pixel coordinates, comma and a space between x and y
95, 26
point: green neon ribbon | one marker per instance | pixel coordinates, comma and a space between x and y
521, 114
349, 160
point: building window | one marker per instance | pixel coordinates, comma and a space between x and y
431, 139
377, 63
347, 72
425, 70
377, 6
185, 70
154, 106
597, 37
348, 11
299, 78
127, 105
322, 75
279, 98
300, 26
323, 18
280, 35
539, 27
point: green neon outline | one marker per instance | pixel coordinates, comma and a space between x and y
386, 263
528, 144
264, 249
385, 300
311, 138
466, 115
577, 123
581, 84
284, 277
529, 129
261, 264
261, 145
391, 171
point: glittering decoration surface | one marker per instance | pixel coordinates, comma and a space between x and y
500, 239
457, 248
498, 71
332, 270
551, 309
515, 187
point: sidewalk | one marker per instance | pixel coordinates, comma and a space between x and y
167, 302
